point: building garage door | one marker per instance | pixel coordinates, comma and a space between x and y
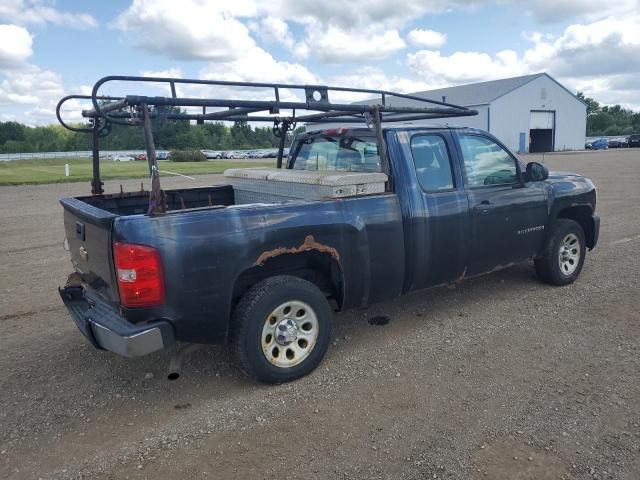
541, 131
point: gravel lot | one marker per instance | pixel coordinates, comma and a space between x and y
502, 377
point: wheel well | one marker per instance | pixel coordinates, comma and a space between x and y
321, 269
582, 215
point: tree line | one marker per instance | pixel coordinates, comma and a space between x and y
175, 135
178, 135
606, 120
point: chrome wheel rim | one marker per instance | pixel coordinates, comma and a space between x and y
569, 254
289, 334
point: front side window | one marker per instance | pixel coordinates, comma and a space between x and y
431, 159
339, 153
486, 163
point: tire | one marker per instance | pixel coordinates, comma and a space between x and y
276, 345
563, 258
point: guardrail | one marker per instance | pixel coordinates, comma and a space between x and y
608, 137
5, 157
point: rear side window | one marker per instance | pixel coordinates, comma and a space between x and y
486, 163
339, 153
431, 159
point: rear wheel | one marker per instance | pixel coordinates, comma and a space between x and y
283, 329
564, 255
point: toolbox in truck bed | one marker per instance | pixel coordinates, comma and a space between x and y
270, 184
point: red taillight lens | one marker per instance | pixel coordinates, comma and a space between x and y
334, 131
139, 273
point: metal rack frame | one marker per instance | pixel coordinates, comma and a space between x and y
134, 110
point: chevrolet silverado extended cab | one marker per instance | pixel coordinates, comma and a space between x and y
264, 260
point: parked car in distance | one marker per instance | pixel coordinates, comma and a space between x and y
600, 144
588, 146
123, 158
232, 155
162, 155
141, 157
212, 154
634, 140
618, 143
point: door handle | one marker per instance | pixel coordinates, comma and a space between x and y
483, 208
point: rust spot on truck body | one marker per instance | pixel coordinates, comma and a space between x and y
309, 244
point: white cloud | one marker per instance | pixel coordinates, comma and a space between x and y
258, 65
189, 29
274, 30
358, 14
15, 45
464, 67
373, 79
599, 54
426, 38
335, 45
301, 51
29, 86
603, 47
41, 12
361, 14
610, 90
544, 11
601, 58
23, 84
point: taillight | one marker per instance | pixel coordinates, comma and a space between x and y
139, 273
335, 131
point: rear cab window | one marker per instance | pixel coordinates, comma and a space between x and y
349, 152
432, 162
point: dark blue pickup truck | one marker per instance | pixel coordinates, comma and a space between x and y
264, 261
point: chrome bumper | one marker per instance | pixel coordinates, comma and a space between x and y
107, 330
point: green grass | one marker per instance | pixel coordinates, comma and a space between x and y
18, 172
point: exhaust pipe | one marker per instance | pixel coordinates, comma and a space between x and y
175, 363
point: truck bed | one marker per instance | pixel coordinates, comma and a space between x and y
208, 253
132, 203
249, 186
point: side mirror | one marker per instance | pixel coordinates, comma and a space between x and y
536, 172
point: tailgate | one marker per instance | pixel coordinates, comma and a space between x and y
88, 231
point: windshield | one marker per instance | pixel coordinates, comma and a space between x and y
339, 153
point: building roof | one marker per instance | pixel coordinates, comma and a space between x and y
474, 94
481, 93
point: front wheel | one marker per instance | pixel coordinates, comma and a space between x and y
564, 255
282, 329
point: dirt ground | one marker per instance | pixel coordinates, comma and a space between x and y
501, 378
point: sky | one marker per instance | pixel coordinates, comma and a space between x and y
50, 48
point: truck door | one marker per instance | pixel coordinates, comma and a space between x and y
508, 217
436, 224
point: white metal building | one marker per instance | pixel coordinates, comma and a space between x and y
534, 113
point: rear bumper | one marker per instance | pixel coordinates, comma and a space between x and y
107, 330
